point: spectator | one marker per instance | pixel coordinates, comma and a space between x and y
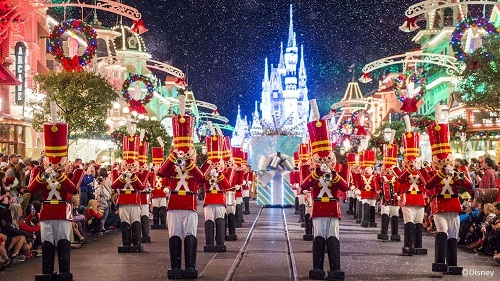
488, 179
93, 215
78, 222
103, 196
4, 194
87, 186
486, 227
113, 220
18, 222
5, 262
15, 239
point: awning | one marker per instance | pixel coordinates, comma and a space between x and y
7, 78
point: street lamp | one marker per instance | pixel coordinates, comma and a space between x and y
389, 135
442, 114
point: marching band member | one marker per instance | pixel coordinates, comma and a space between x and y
230, 193
159, 189
305, 203
445, 205
356, 180
215, 197
128, 185
369, 189
183, 176
351, 197
145, 193
411, 188
237, 183
325, 185
389, 190
247, 182
295, 181
56, 189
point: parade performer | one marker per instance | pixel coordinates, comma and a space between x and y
230, 193
295, 181
56, 190
356, 181
389, 189
247, 183
215, 193
304, 171
159, 189
369, 189
146, 192
325, 185
237, 183
184, 177
445, 204
128, 185
411, 188
351, 196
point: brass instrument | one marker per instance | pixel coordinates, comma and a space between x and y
45, 176
180, 162
391, 193
426, 164
328, 176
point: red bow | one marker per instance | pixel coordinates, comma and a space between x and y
409, 105
72, 65
365, 78
136, 105
138, 27
409, 25
181, 82
361, 131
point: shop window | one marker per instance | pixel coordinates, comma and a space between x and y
448, 17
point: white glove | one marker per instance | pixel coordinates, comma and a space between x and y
352, 187
213, 173
357, 192
166, 190
416, 166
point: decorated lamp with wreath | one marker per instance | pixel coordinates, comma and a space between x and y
473, 42
72, 62
359, 118
136, 103
413, 94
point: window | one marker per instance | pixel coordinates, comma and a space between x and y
448, 17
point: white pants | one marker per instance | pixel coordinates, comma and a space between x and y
230, 202
414, 214
350, 194
144, 210
55, 230
302, 199
370, 202
246, 193
239, 200
448, 223
390, 210
213, 212
159, 202
129, 213
182, 223
326, 227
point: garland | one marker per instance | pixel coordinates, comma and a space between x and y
457, 126
137, 105
458, 33
422, 123
55, 46
415, 77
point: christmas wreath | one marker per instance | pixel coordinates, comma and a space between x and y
458, 33
137, 105
360, 130
457, 127
55, 47
418, 78
422, 123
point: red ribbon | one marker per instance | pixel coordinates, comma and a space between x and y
72, 65
409, 105
366, 75
361, 131
136, 105
138, 27
181, 82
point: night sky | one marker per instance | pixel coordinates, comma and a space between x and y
222, 44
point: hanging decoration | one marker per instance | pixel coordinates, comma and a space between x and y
72, 62
410, 79
458, 126
360, 118
136, 104
365, 77
458, 33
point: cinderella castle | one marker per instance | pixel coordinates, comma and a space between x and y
284, 106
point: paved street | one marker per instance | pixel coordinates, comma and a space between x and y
265, 257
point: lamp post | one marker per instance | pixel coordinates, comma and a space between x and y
389, 135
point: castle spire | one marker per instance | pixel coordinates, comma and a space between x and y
291, 35
282, 58
256, 111
266, 72
302, 68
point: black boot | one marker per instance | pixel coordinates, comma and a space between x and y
49, 253
296, 212
156, 218
240, 213
302, 213
125, 228
409, 237
136, 238
439, 264
163, 217
333, 245
220, 230
418, 250
246, 201
350, 210
365, 219
451, 257
64, 259
175, 247
190, 245
317, 273
308, 228
394, 229
385, 228
231, 225
145, 230
372, 217
209, 236
359, 211
237, 216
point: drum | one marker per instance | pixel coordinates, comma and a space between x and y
230, 198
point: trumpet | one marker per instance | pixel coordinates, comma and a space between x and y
328, 176
45, 176
426, 164
461, 175
125, 175
180, 162
212, 181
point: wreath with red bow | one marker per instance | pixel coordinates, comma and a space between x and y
55, 47
137, 105
458, 33
419, 78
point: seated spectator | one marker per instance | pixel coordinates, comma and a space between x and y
469, 216
93, 215
480, 230
16, 212
15, 239
78, 223
25, 225
5, 262
113, 220
4, 194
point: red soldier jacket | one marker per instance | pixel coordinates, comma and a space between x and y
389, 190
215, 189
158, 185
411, 187
304, 172
249, 180
445, 190
145, 193
237, 182
183, 186
356, 180
128, 192
55, 195
369, 186
325, 194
